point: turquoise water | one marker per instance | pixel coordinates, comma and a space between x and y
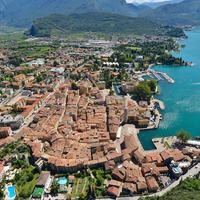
62, 181
182, 99
11, 192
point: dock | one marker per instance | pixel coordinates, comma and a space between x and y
156, 75
166, 77
160, 76
149, 74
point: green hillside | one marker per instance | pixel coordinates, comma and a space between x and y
58, 24
187, 190
184, 13
21, 13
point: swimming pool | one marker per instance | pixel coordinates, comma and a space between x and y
11, 192
62, 181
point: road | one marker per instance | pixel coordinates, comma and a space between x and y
191, 173
18, 134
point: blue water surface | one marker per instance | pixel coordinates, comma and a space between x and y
182, 99
11, 192
62, 181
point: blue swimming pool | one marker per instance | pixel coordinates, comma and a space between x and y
62, 181
11, 192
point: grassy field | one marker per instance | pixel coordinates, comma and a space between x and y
4, 30
7, 40
19, 48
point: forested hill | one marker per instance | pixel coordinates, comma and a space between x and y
21, 13
58, 24
180, 14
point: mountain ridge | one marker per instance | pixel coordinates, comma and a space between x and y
23, 12
99, 23
158, 4
185, 13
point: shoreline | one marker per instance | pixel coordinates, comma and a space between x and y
170, 80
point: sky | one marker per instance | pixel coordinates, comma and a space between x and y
142, 1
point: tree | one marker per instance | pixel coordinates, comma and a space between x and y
54, 188
20, 164
16, 61
183, 136
39, 78
152, 84
107, 77
74, 86
2, 196
142, 92
122, 75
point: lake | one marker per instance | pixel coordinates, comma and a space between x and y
182, 99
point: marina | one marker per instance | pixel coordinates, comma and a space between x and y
160, 76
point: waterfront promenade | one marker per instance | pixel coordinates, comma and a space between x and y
158, 118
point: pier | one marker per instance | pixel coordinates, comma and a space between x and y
157, 76
160, 76
149, 74
166, 77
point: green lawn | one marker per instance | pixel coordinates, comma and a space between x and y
37, 193
134, 48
